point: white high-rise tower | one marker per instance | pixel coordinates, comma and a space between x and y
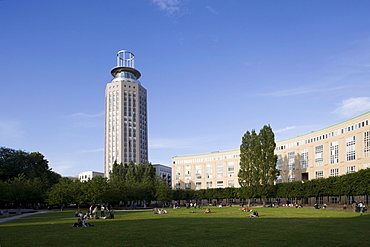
126, 128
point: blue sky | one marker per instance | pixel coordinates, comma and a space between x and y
213, 70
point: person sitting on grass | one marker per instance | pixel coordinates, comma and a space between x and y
78, 223
78, 214
207, 211
84, 221
111, 216
254, 214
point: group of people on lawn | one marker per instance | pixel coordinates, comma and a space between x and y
93, 211
82, 222
92, 214
358, 207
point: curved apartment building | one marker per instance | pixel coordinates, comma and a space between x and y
332, 151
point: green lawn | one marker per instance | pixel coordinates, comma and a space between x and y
226, 226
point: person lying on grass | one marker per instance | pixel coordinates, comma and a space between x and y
254, 214
161, 211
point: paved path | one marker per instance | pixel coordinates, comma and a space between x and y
21, 215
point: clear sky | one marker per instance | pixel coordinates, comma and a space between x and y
213, 70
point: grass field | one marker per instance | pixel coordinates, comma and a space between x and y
226, 226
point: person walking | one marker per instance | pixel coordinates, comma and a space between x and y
361, 207
102, 209
95, 213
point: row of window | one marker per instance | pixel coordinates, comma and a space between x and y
116, 86
208, 172
209, 185
207, 159
324, 136
334, 172
319, 153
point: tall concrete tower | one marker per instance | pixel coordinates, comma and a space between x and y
126, 127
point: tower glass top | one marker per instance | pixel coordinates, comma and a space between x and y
125, 66
125, 59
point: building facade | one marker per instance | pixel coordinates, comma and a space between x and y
86, 176
336, 150
163, 172
204, 171
126, 129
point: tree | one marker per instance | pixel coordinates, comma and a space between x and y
132, 182
248, 173
149, 183
32, 165
258, 171
267, 162
79, 192
97, 190
21, 190
117, 182
61, 193
163, 192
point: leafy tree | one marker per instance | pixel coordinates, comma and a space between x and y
132, 182
79, 192
163, 192
258, 171
3, 192
150, 182
182, 194
61, 193
117, 182
32, 165
248, 176
267, 162
11, 163
97, 190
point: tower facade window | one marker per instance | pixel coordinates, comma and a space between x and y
351, 148
334, 152
319, 158
304, 158
366, 144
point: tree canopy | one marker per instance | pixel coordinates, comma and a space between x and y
25, 177
258, 171
32, 165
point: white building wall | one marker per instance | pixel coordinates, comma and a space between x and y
86, 176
